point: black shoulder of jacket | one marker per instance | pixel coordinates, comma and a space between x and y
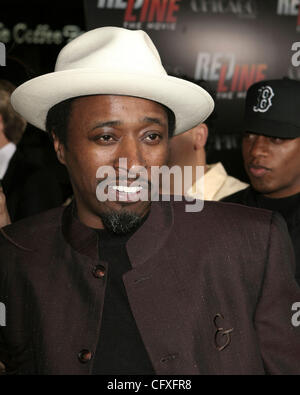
240, 197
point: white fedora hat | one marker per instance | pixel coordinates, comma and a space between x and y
116, 61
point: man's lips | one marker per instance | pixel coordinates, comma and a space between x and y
258, 171
127, 194
122, 191
127, 189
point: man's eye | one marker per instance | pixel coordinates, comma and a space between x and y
153, 137
104, 138
248, 135
276, 140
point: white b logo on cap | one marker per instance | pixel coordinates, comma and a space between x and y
264, 99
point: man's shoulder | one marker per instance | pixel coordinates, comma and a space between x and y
239, 197
221, 214
29, 232
210, 206
227, 225
235, 185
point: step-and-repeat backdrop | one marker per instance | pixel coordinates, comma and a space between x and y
230, 43
34, 31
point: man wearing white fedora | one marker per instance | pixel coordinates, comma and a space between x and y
126, 285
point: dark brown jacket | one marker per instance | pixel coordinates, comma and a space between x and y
288, 207
211, 292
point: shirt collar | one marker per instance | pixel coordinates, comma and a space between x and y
212, 182
6, 153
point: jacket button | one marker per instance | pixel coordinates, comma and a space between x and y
85, 356
99, 271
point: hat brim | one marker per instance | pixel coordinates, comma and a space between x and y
190, 103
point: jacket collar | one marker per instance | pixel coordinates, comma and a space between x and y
147, 240
152, 235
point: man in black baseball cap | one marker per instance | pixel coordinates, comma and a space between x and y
271, 152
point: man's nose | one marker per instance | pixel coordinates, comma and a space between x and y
130, 150
259, 146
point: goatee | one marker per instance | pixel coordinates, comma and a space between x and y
121, 222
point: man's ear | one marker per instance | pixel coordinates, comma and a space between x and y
59, 149
200, 134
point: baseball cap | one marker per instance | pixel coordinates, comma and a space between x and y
272, 108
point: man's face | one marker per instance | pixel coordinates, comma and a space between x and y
103, 129
272, 164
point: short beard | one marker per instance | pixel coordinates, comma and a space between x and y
121, 223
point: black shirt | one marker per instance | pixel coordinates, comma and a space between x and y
287, 206
120, 349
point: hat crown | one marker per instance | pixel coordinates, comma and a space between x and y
111, 49
272, 108
112, 61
